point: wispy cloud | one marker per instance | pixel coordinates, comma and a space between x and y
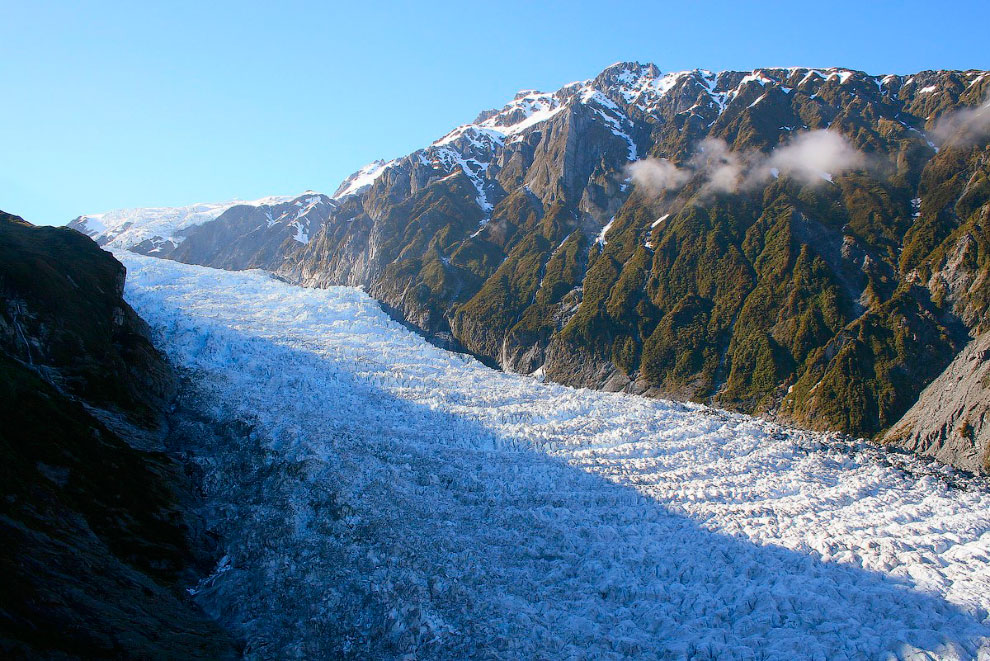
722, 168
812, 157
963, 127
655, 175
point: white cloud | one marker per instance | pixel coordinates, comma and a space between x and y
812, 157
963, 127
815, 156
655, 175
722, 167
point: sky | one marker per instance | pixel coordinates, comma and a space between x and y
109, 105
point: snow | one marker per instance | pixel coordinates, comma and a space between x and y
644, 89
720, 99
842, 74
924, 136
382, 498
302, 233
591, 95
649, 91
531, 108
125, 228
659, 220
362, 179
667, 83
534, 107
614, 123
450, 158
601, 235
928, 90
472, 147
92, 225
755, 103
755, 77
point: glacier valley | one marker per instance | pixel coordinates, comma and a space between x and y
378, 497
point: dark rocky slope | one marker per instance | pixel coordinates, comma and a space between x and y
97, 543
827, 300
951, 419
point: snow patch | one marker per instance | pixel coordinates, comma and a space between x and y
601, 235
362, 179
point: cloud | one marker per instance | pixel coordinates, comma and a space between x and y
815, 156
722, 168
812, 157
963, 127
655, 175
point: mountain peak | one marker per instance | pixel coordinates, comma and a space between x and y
629, 69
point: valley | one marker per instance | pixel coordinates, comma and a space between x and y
376, 496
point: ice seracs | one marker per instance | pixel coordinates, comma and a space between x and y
377, 497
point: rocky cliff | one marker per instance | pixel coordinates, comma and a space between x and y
98, 543
951, 419
807, 244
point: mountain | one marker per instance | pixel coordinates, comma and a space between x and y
98, 539
157, 230
807, 244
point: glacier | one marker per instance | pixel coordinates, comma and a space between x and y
123, 229
377, 497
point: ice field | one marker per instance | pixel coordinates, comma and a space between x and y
378, 497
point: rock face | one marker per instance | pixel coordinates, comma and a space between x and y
63, 314
97, 542
812, 245
951, 419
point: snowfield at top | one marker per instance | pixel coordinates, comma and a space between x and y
125, 228
377, 497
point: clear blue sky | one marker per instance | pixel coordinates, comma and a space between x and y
110, 105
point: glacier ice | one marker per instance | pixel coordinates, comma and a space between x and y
377, 497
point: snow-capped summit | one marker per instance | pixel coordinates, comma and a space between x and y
486, 237
155, 229
361, 179
622, 97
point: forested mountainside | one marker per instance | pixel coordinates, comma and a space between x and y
809, 244
97, 541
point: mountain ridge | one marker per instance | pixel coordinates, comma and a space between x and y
807, 244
